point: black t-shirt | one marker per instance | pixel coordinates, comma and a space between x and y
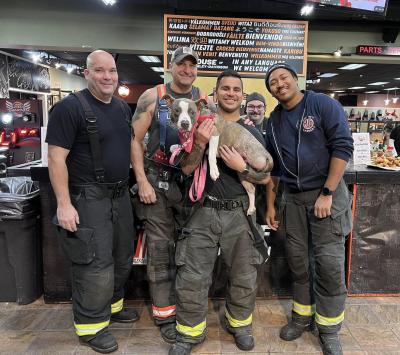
67, 129
228, 185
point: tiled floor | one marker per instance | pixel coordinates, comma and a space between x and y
372, 327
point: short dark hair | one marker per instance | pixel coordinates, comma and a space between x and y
228, 73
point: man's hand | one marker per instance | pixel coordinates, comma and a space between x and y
232, 158
146, 192
322, 207
67, 217
204, 132
270, 219
249, 122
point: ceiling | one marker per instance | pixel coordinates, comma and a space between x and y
132, 70
370, 73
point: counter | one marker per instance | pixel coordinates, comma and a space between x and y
372, 248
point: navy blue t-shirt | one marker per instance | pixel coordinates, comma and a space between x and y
67, 129
290, 120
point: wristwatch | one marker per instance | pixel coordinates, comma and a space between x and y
326, 192
246, 170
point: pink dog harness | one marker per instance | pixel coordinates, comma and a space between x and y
187, 139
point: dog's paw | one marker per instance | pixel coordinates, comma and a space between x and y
251, 210
214, 172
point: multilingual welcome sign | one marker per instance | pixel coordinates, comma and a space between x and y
249, 46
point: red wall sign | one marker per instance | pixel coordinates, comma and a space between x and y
377, 50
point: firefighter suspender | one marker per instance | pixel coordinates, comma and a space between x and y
93, 131
162, 115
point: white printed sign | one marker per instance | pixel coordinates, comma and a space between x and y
362, 148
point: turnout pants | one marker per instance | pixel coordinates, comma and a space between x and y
101, 253
197, 248
315, 251
160, 220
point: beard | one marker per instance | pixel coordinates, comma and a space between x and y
228, 109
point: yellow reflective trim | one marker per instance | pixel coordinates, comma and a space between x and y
235, 323
329, 320
117, 306
191, 331
90, 329
303, 309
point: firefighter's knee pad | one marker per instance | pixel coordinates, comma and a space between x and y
94, 289
160, 261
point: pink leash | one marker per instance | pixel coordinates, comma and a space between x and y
199, 181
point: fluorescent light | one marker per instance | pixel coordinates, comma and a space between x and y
306, 10
340, 91
338, 52
396, 78
70, 70
110, 2
395, 88
380, 83
58, 65
158, 69
372, 92
327, 75
6, 118
356, 87
352, 66
332, 95
123, 91
150, 59
36, 57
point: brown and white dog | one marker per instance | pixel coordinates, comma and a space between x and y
183, 115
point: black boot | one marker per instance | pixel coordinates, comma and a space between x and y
243, 337
103, 342
330, 344
296, 327
180, 348
244, 342
329, 338
168, 332
126, 315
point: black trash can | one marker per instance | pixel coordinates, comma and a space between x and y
20, 246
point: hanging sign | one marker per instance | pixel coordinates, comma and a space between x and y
249, 46
377, 50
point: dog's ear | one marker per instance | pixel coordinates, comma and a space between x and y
201, 103
170, 100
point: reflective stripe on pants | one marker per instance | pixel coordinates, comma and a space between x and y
195, 331
117, 306
303, 309
90, 329
236, 323
329, 321
164, 312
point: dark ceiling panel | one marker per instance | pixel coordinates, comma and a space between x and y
349, 78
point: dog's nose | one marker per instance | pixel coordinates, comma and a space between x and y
185, 125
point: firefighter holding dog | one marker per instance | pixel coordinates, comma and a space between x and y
218, 221
158, 198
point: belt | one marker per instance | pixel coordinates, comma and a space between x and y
163, 175
228, 205
290, 190
110, 190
